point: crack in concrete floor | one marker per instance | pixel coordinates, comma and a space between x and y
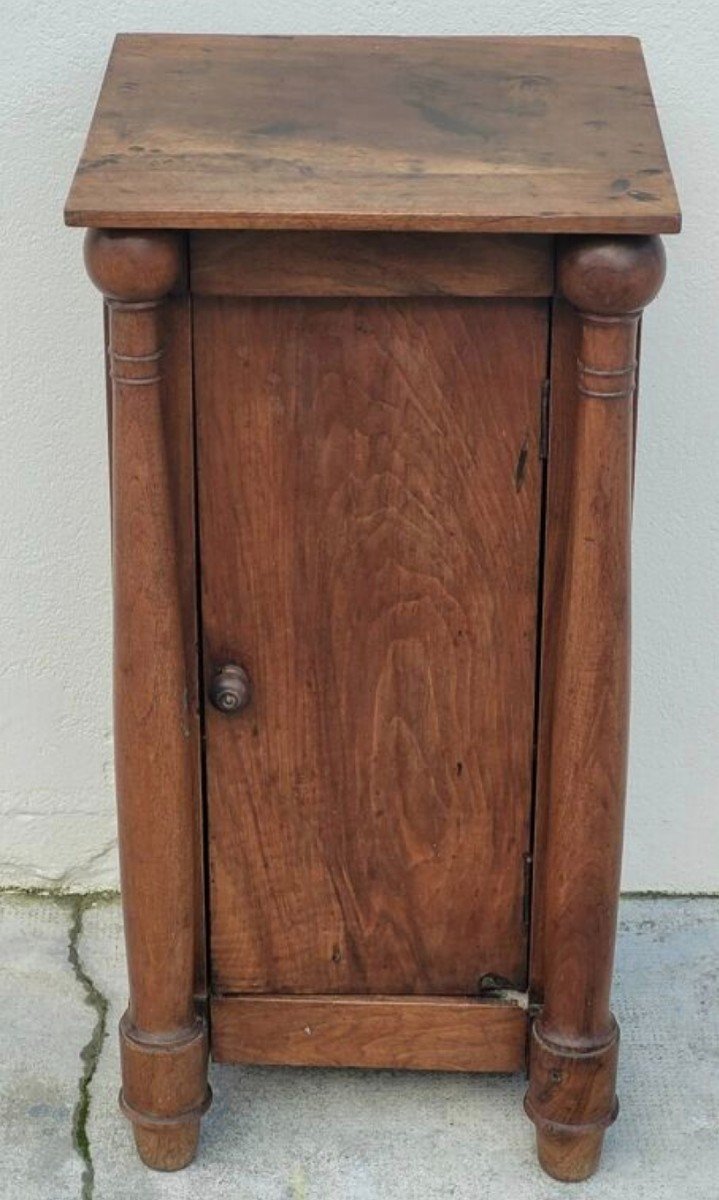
91, 1051
277, 1133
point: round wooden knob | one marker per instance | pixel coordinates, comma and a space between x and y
230, 689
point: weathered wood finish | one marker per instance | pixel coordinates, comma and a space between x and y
178, 423
369, 512
482, 135
163, 1039
571, 1095
178, 419
368, 369
562, 435
370, 264
561, 441
438, 1034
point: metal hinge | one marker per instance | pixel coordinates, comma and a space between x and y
527, 897
544, 420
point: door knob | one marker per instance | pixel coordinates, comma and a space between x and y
230, 688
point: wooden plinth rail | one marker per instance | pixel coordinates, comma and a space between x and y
440, 1034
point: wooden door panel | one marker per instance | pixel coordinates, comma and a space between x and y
369, 487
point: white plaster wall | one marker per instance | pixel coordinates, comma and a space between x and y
57, 823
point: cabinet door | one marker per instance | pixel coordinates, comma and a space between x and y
369, 492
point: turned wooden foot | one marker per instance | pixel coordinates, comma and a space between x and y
167, 1148
572, 1100
569, 1155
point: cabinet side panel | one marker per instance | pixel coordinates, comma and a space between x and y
562, 431
177, 366
369, 481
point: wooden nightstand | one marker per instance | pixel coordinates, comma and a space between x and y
373, 310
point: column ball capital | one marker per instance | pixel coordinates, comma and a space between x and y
133, 265
610, 276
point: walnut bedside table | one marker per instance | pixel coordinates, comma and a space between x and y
372, 308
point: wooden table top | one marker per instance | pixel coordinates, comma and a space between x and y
526, 135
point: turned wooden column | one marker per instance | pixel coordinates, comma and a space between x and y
573, 1055
163, 1038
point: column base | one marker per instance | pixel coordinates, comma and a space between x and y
165, 1092
571, 1099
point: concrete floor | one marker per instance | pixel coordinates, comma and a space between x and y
276, 1134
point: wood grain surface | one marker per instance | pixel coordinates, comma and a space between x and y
564, 410
585, 697
291, 263
176, 341
179, 421
369, 506
163, 1039
403, 1032
538, 134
